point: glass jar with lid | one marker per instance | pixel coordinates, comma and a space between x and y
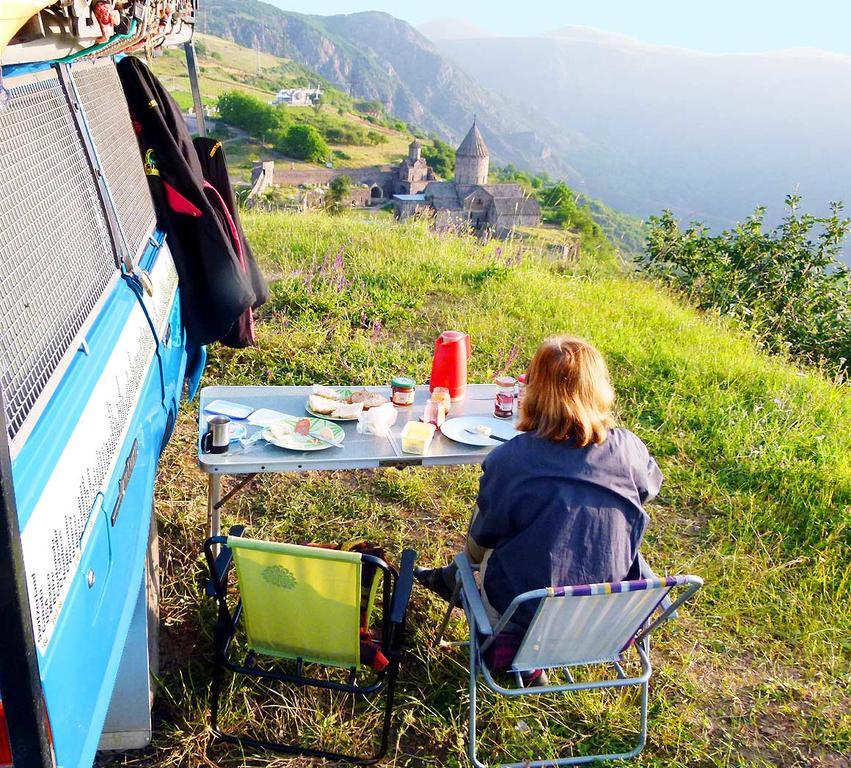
403, 391
503, 406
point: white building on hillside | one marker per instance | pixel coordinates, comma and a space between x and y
297, 97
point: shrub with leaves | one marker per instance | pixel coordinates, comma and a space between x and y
786, 285
441, 157
250, 113
304, 142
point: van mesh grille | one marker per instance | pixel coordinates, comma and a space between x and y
56, 256
115, 141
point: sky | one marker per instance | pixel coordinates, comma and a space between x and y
714, 26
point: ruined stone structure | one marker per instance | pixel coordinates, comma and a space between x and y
411, 176
470, 201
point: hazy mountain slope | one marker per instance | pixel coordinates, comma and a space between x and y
709, 136
375, 56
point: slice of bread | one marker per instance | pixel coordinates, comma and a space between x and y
369, 399
327, 392
347, 411
322, 405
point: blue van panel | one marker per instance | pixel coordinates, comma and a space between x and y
80, 649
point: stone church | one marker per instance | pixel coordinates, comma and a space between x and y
470, 200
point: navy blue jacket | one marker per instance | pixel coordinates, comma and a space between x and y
557, 515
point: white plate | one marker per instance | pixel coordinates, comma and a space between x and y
455, 429
302, 443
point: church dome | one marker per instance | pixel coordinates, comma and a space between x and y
473, 145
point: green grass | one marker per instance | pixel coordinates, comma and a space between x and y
757, 500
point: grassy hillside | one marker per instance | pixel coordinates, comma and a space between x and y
225, 66
756, 499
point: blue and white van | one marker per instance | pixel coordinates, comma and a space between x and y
93, 367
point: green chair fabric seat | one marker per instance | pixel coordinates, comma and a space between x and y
303, 605
320, 586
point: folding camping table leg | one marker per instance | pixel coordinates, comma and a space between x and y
214, 494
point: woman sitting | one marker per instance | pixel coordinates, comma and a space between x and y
561, 504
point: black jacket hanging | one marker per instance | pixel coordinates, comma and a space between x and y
215, 279
211, 155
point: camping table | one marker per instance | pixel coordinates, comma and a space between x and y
360, 451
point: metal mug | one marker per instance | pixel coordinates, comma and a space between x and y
217, 437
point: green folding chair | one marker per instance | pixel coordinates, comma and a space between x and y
305, 605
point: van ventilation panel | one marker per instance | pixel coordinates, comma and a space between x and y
106, 114
56, 254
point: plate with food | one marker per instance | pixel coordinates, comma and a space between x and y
480, 431
303, 434
341, 404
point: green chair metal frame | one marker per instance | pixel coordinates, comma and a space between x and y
303, 605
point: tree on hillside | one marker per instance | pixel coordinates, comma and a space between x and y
565, 209
373, 107
786, 285
337, 192
441, 157
304, 142
249, 113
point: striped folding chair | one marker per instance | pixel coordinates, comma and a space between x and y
306, 606
573, 627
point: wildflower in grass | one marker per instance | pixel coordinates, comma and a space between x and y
506, 360
376, 331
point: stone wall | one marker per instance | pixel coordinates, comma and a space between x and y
294, 175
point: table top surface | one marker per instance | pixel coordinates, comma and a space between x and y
358, 452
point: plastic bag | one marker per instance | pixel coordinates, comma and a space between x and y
377, 421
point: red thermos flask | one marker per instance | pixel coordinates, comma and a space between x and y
449, 366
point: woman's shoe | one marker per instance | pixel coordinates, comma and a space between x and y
534, 678
441, 581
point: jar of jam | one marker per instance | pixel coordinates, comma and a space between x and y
503, 407
403, 390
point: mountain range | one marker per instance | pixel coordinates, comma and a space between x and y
376, 56
709, 136
642, 127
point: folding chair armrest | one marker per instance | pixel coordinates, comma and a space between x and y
403, 588
219, 565
691, 584
646, 572
470, 594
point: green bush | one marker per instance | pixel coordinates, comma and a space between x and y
337, 192
303, 142
250, 113
369, 107
785, 285
441, 157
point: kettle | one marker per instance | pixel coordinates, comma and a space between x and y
449, 366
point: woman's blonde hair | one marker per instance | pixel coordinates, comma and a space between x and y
568, 393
